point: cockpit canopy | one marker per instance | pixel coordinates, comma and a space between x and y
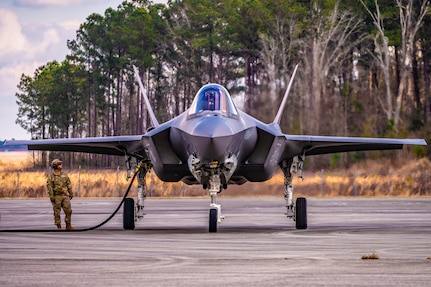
213, 97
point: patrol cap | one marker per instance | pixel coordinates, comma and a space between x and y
56, 162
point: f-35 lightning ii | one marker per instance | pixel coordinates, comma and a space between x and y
214, 144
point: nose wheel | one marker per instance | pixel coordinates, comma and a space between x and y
215, 216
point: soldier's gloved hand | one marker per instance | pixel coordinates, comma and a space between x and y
71, 196
52, 198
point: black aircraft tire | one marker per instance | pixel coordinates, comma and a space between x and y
213, 220
301, 213
129, 214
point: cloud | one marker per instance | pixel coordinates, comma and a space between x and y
20, 54
9, 79
50, 39
11, 37
44, 3
70, 25
15, 42
30, 36
10, 75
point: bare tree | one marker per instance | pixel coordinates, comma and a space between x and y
275, 56
382, 55
410, 23
332, 37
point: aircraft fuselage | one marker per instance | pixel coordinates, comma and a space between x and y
211, 138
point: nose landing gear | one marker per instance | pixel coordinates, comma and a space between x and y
215, 215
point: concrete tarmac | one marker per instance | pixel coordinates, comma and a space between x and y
256, 245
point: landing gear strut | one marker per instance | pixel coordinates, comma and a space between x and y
214, 176
215, 215
297, 212
132, 213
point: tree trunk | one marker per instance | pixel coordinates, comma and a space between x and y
427, 71
316, 89
415, 82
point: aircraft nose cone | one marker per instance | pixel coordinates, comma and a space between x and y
213, 138
213, 126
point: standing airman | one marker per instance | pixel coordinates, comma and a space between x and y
60, 194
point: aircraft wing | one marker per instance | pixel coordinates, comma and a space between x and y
114, 145
314, 145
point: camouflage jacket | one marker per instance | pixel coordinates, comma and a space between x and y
59, 184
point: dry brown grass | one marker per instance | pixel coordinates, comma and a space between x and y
15, 160
368, 178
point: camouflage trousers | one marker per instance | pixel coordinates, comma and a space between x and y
62, 201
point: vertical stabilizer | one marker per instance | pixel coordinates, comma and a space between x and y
144, 95
286, 94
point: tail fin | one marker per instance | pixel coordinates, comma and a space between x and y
144, 95
286, 94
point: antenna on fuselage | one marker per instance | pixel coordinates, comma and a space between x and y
286, 94
144, 95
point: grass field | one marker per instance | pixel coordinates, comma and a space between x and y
368, 178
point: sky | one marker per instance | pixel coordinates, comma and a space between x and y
32, 33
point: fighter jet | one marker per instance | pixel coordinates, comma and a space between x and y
214, 144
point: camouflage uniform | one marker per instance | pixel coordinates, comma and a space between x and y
60, 194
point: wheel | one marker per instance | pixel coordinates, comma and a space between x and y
213, 220
129, 214
301, 213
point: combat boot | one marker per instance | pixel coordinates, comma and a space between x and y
69, 227
58, 226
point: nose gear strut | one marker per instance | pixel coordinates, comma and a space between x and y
215, 209
214, 176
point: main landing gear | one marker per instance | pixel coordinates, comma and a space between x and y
132, 213
297, 212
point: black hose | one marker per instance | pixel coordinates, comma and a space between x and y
84, 229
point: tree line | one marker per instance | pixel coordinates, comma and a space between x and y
364, 67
